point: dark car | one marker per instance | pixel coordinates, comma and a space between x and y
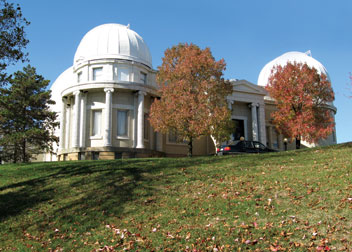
243, 147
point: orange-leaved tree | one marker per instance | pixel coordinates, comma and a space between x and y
192, 95
302, 96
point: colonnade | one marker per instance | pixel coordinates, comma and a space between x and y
79, 123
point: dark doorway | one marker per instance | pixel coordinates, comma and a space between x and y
239, 129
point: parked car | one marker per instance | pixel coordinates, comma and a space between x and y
243, 147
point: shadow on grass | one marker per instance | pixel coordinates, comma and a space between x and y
87, 191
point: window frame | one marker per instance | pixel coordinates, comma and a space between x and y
143, 80
127, 136
171, 142
119, 75
92, 123
94, 76
146, 128
79, 77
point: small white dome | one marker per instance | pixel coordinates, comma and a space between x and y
113, 41
65, 80
282, 60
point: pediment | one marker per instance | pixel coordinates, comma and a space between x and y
245, 86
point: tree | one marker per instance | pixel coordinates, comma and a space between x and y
26, 122
192, 95
12, 37
302, 96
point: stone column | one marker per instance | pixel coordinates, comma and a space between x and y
82, 136
135, 105
68, 123
75, 135
108, 116
254, 122
140, 120
270, 136
62, 124
262, 130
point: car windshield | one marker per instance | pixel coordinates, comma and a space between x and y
245, 144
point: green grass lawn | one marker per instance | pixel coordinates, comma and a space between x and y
288, 201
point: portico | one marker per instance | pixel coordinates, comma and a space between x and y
247, 105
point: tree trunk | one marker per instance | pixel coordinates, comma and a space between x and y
298, 143
24, 151
190, 147
215, 143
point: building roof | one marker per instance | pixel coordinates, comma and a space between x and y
113, 41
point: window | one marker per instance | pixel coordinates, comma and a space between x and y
122, 123
174, 138
96, 123
146, 127
95, 155
97, 73
143, 78
81, 156
79, 77
123, 74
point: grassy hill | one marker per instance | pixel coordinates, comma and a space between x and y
289, 201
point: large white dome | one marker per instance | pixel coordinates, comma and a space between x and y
282, 60
113, 41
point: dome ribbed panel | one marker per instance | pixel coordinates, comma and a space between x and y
103, 38
124, 43
113, 41
133, 45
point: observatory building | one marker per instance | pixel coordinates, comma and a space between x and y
103, 102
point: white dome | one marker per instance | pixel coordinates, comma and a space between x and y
66, 79
113, 41
282, 60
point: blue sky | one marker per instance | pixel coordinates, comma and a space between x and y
247, 34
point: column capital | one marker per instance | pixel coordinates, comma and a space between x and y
77, 92
230, 103
106, 90
140, 92
254, 104
84, 94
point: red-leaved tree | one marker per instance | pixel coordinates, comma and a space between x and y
302, 96
192, 95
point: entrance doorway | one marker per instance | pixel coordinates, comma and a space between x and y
238, 129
